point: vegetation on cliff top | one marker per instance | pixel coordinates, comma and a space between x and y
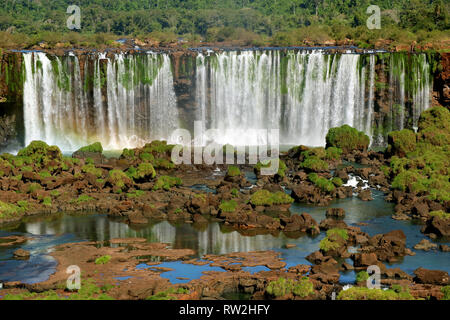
347, 139
260, 22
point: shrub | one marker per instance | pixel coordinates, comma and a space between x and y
337, 181
347, 139
95, 147
144, 171
302, 288
8, 210
228, 206
40, 152
434, 125
167, 182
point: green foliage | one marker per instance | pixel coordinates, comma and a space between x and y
347, 139
33, 187
446, 291
234, 192
95, 147
401, 142
362, 276
337, 181
440, 213
144, 156
336, 232
334, 239
281, 287
267, 164
90, 168
266, 198
434, 126
55, 193
8, 210
118, 178
228, 206
323, 184
161, 163
103, 259
144, 171
233, 171
40, 153
82, 198
362, 293
167, 182
135, 194
333, 153
47, 202
314, 164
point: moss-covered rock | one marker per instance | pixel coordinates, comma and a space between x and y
95, 147
119, 180
347, 139
322, 183
167, 182
40, 153
434, 126
267, 198
228, 206
281, 287
8, 210
314, 164
401, 142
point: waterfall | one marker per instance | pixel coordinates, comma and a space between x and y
304, 93
131, 100
125, 100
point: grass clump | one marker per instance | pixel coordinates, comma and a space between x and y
144, 171
267, 164
267, 198
233, 171
118, 178
8, 210
103, 259
347, 139
362, 276
440, 213
334, 240
228, 206
82, 198
401, 142
167, 182
314, 164
47, 201
135, 194
322, 183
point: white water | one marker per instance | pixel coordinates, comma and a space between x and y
132, 100
57, 108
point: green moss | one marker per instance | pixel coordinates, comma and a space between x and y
268, 163
234, 192
362, 293
135, 194
282, 287
23, 204
326, 245
158, 147
44, 174
337, 181
362, 276
144, 171
55, 193
347, 139
161, 163
40, 153
233, 171
334, 239
27, 169
336, 232
314, 164
82, 198
401, 142
95, 147
118, 178
128, 154
47, 202
266, 198
333, 153
8, 210
434, 126
322, 183
33, 187
167, 182
228, 206
440, 213
446, 291
103, 259
145, 156
90, 168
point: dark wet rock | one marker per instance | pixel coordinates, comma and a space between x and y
444, 248
387, 247
362, 260
435, 277
303, 223
335, 212
425, 245
438, 226
365, 195
316, 257
21, 254
401, 217
330, 223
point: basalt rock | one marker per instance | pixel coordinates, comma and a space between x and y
438, 226
435, 277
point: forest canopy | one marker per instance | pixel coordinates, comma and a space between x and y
277, 22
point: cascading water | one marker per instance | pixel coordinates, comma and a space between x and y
125, 100
132, 100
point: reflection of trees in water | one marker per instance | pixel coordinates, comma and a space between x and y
209, 239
